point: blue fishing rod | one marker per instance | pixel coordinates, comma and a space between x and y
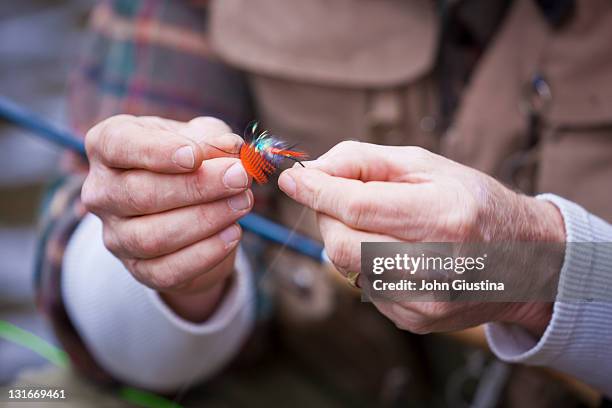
257, 224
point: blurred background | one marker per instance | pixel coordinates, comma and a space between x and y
39, 41
39, 44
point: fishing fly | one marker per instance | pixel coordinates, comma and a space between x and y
261, 153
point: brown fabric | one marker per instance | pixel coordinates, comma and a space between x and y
309, 88
572, 158
575, 156
316, 87
343, 42
490, 125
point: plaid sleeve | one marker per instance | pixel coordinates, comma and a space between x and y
152, 57
143, 57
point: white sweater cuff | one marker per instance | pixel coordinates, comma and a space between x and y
578, 337
132, 333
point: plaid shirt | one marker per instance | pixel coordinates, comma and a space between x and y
146, 57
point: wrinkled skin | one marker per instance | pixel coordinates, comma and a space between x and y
364, 192
169, 202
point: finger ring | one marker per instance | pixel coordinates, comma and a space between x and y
353, 278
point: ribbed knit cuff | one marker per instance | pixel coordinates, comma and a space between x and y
578, 337
132, 334
512, 343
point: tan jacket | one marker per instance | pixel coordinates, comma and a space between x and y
325, 71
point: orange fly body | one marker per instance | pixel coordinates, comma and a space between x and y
255, 164
262, 155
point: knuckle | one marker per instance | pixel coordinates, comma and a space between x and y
112, 136
99, 137
196, 185
358, 210
207, 257
316, 194
116, 122
415, 323
204, 218
417, 152
139, 199
87, 194
163, 277
347, 146
431, 312
156, 121
106, 130
418, 328
115, 129
92, 140
211, 124
418, 156
120, 118
133, 266
156, 274
92, 197
340, 252
146, 243
110, 240
140, 270
322, 198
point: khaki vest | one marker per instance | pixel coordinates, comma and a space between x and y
574, 155
324, 71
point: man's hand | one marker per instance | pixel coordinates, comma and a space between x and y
365, 192
169, 199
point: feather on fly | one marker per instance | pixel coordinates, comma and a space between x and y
262, 153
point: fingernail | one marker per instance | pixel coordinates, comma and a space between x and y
236, 177
240, 202
230, 234
184, 157
287, 184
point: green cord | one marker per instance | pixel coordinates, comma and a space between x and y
145, 399
24, 338
59, 357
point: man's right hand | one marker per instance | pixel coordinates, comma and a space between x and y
169, 199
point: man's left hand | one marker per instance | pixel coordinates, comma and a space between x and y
365, 192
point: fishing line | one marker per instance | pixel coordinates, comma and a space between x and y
221, 150
253, 293
283, 247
